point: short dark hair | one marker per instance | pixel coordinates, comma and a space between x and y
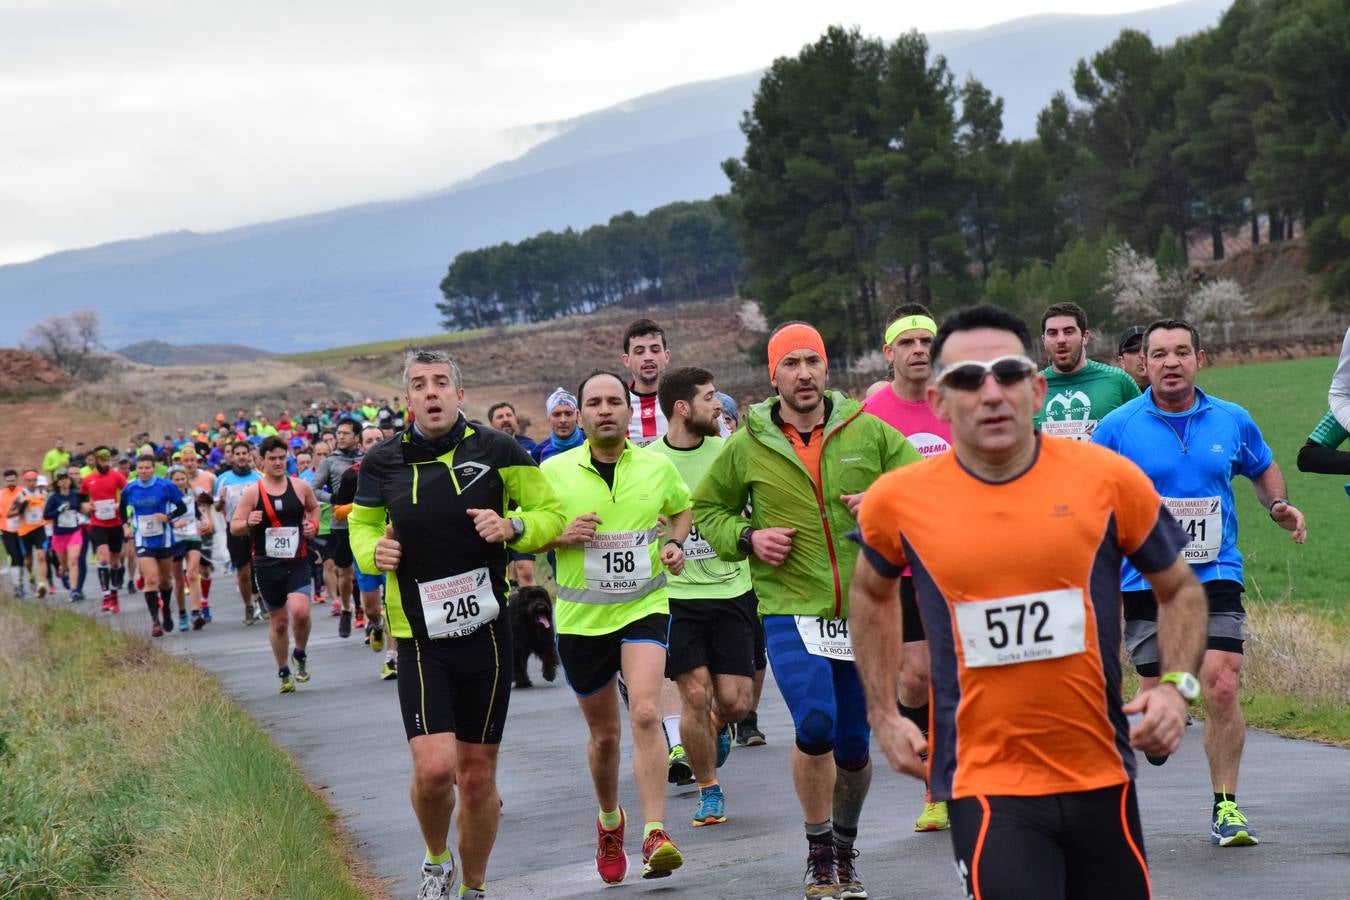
1168, 325
146, 457
982, 316
9, 472
1066, 308
350, 423
638, 329
581, 388
272, 442
908, 309
680, 384
239, 443
492, 410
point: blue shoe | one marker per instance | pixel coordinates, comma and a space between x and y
206, 613
712, 807
1229, 827
723, 745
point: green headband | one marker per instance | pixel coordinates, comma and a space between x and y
908, 322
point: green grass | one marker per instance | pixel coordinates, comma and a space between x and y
127, 773
380, 348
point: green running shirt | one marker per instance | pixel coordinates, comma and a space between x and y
1075, 403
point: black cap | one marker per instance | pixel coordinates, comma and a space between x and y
1131, 340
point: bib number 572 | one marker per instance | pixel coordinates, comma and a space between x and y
1008, 624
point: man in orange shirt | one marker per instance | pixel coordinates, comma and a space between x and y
9, 528
1028, 739
28, 505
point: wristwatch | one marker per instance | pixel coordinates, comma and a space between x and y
743, 543
518, 526
1187, 685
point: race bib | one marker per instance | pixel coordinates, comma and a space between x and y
825, 637
1073, 429
149, 526
232, 494
105, 509
68, 518
458, 605
695, 547
1022, 629
1202, 519
185, 527
618, 562
281, 543
32, 515
12, 523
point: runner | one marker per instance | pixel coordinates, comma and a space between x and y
1130, 355
1320, 454
128, 568
439, 530
1338, 397
64, 510
564, 432
278, 514
1192, 445
370, 586
230, 488
29, 505
1030, 742
323, 541
804, 458
1079, 391
713, 611
203, 485
502, 416
187, 551
612, 612
151, 503
103, 487
9, 530
327, 477
903, 404
645, 356
55, 460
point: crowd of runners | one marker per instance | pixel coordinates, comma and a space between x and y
948, 566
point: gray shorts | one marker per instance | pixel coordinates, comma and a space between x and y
1226, 620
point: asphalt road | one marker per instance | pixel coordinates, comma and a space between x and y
344, 733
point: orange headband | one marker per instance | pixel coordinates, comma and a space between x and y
789, 338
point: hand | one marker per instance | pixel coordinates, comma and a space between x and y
86, 508
254, 518
672, 557
308, 528
772, 544
1290, 519
852, 501
490, 526
161, 517
1159, 732
902, 742
388, 551
579, 531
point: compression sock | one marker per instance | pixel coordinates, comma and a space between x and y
152, 604
206, 590
610, 820
104, 577
820, 832
671, 725
299, 654
844, 837
119, 574
650, 827
437, 859
166, 597
850, 790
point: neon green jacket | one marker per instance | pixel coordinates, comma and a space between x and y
759, 468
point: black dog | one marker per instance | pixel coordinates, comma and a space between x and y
531, 614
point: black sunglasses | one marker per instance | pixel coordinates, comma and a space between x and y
969, 375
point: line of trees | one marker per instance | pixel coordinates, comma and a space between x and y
683, 250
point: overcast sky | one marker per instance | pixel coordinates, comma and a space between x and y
123, 118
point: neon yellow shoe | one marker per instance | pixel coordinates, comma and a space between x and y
933, 818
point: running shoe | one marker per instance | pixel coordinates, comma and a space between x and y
610, 860
660, 856
198, 620
469, 893
76, 597
337, 609
1229, 827
375, 636
116, 604
168, 618
183, 621
723, 744
389, 671
19, 592
140, 585
287, 685
712, 807
206, 613
360, 618
933, 818
678, 770
131, 588
42, 591
748, 733
345, 625
850, 885
156, 630
249, 617
107, 603
301, 667
263, 614
819, 882
437, 880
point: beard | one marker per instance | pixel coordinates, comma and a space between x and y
1077, 358
791, 402
706, 429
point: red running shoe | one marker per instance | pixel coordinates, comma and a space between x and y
610, 860
156, 631
660, 856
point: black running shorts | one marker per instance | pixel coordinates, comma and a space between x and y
1226, 619
911, 626
590, 661
106, 534
13, 548
342, 548
323, 545
1085, 844
154, 553
240, 548
278, 579
460, 686
717, 634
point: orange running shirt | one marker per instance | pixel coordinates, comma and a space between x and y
1018, 587
7, 497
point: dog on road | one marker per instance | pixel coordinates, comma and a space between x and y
531, 614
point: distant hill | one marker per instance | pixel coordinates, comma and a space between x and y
370, 272
159, 353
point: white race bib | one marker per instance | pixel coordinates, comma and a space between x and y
1073, 429
233, 492
12, 523
281, 543
185, 526
68, 518
618, 562
695, 547
32, 515
458, 605
1202, 519
825, 637
149, 526
105, 509
1022, 629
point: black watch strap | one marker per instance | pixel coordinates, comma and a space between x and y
743, 543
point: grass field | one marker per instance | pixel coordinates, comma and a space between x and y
127, 773
342, 354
